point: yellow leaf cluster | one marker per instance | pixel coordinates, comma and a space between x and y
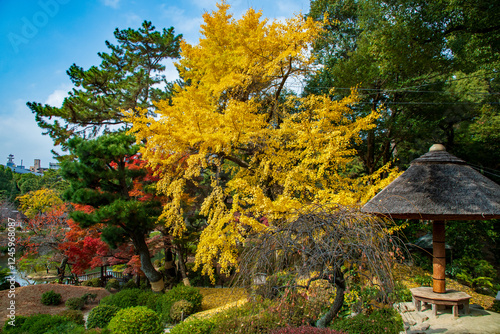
39, 201
234, 117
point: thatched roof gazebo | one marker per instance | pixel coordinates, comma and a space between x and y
438, 186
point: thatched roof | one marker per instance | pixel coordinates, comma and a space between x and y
438, 186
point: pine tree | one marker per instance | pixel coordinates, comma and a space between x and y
104, 176
128, 77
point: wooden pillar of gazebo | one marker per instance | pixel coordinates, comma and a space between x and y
438, 257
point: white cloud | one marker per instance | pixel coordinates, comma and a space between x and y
111, 3
21, 136
290, 8
133, 19
56, 98
187, 25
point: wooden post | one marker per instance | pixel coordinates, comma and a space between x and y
438, 257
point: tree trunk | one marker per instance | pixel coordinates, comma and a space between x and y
325, 320
62, 269
156, 278
182, 265
170, 270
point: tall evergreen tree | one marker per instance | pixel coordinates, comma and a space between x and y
103, 175
430, 66
129, 77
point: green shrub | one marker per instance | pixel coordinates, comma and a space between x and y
149, 299
94, 282
130, 285
43, 324
252, 317
180, 310
88, 297
113, 284
423, 280
51, 298
122, 299
18, 323
401, 293
134, 320
496, 306
380, 321
195, 326
101, 315
75, 303
305, 330
73, 315
180, 292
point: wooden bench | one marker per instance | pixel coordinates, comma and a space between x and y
451, 297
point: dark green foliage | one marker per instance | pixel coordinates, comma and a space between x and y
44, 324
102, 175
380, 321
88, 297
476, 273
149, 299
101, 315
130, 285
18, 323
400, 294
93, 282
133, 320
113, 284
305, 330
423, 280
73, 315
4, 282
179, 292
51, 298
182, 292
430, 65
496, 306
180, 310
76, 303
122, 299
194, 326
8, 188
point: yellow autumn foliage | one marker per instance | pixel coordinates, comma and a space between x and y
39, 201
266, 150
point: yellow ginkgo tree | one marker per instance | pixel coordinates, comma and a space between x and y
265, 150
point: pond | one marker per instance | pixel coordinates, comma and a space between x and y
20, 276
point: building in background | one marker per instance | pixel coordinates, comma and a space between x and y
36, 169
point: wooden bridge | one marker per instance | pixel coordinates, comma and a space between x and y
108, 275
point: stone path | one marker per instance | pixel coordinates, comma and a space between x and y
479, 321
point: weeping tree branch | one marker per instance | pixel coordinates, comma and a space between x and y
333, 242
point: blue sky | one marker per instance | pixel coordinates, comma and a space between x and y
40, 39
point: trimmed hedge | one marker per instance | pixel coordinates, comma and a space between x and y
73, 315
379, 321
133, 320
75, 303
101, 315
51, 298
122, 299
180, 310
195, 326
43, 324
305, 330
